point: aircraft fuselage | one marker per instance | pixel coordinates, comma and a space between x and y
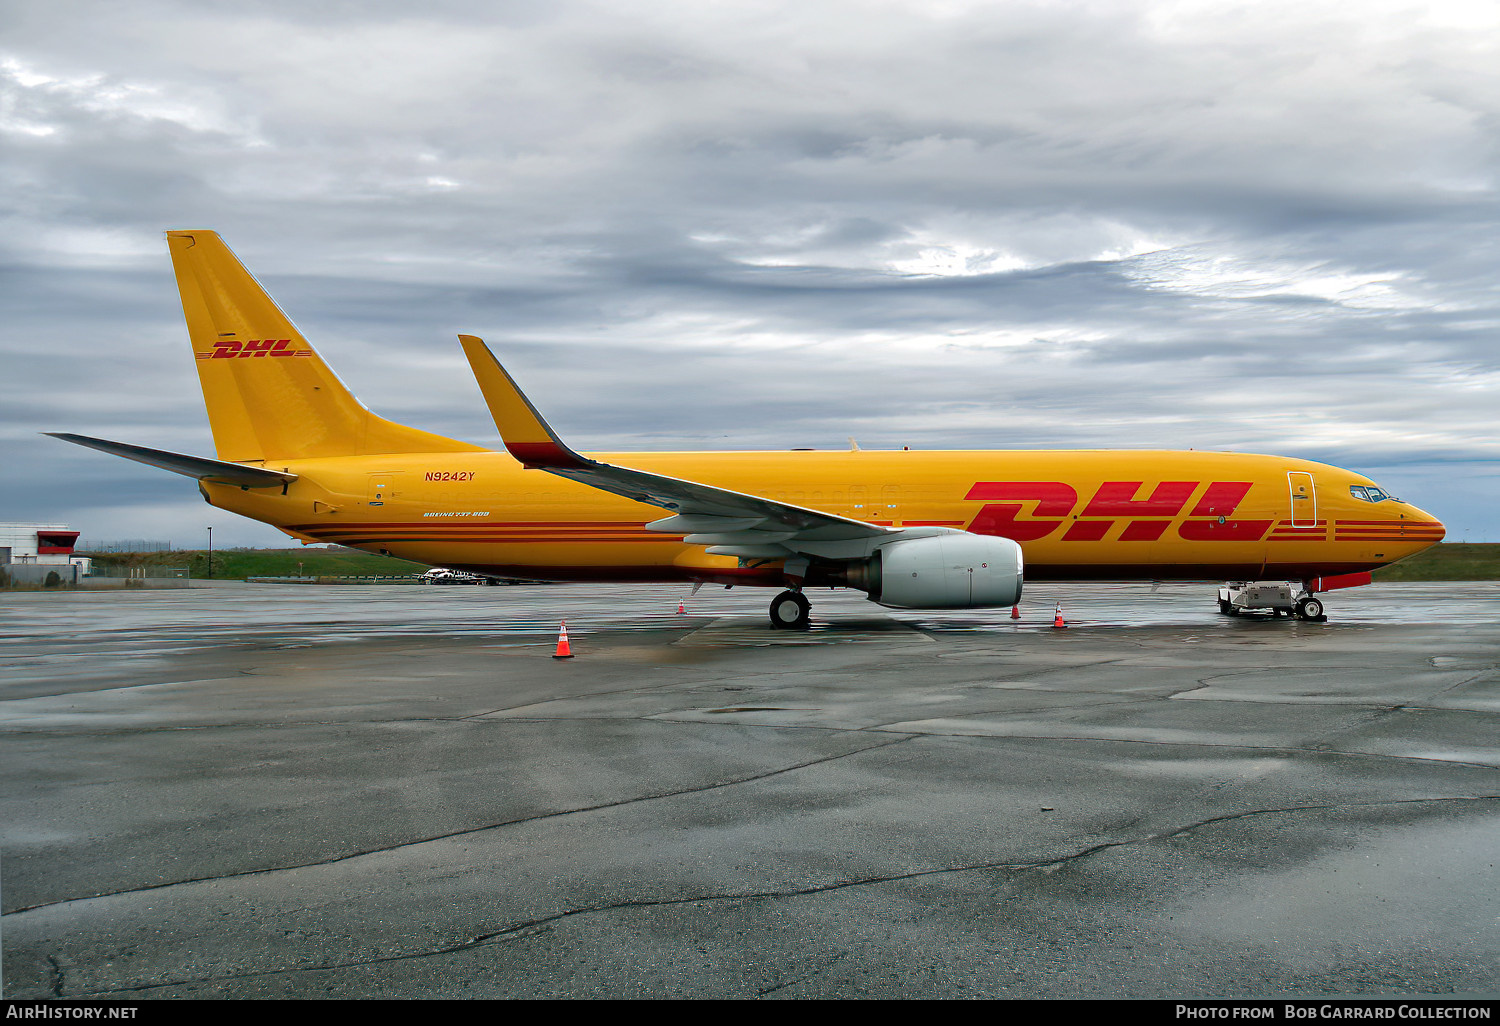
1077, 514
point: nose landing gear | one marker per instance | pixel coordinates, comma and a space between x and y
1309, 608
790, 611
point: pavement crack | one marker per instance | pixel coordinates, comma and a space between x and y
526, 928
804, 977
529, 927
1331, 807
633, 689
1093, 739
56, 976
1015, 710
1463, 683
1203, 682
384, 849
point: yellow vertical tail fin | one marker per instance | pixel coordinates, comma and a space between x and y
269, 395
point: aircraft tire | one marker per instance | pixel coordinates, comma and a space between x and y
1310, 609
790, 611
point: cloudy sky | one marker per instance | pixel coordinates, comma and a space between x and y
1266, 227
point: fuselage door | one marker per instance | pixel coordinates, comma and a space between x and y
890, 505
1304, 499
383, 488
859, 503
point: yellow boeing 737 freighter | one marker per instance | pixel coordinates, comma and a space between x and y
946, 530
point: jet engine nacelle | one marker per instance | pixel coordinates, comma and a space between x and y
956, 570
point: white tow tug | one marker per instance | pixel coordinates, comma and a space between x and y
1285, 598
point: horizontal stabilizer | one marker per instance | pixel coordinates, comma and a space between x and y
215, 471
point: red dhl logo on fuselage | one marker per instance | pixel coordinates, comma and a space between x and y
228, 349
1149, 517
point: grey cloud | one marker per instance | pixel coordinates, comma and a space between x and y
709, 227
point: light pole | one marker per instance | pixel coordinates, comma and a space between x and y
210, 553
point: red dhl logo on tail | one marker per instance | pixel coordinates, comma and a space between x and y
228, 349
1149, 517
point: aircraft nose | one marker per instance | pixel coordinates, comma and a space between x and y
1428, 527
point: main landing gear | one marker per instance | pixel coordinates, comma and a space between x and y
1279, 598
790, 611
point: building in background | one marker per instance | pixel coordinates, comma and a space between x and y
49, 545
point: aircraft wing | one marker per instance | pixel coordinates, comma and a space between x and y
729, 523
216, 471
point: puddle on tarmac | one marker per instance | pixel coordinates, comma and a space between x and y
98, 625
744, 631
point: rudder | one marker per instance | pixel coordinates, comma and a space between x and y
269, 395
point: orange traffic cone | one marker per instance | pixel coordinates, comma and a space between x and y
1015, 612
679, 607
1058, 621
563, 651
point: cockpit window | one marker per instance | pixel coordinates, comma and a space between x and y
1369, 493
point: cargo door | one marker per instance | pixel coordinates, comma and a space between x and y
1304, 499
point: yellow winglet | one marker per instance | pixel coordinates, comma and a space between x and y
525, 434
